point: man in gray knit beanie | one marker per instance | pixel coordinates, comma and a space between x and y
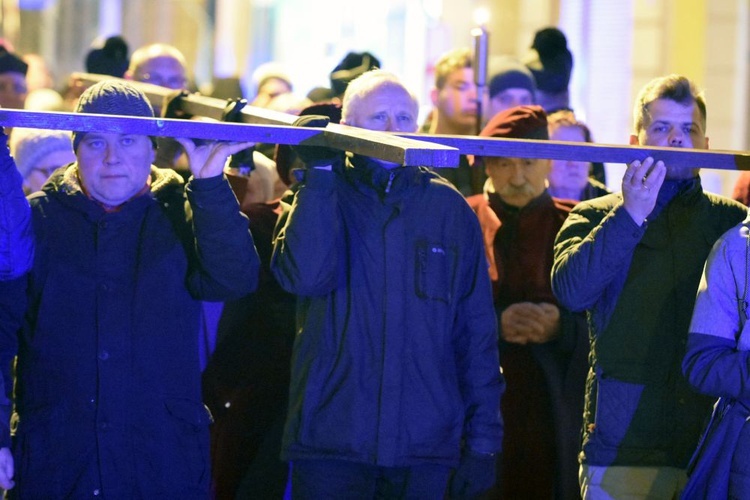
105, 325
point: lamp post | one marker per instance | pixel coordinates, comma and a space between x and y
479, 61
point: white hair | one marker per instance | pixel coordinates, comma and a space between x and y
366, 83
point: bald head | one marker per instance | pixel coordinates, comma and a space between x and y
158, 64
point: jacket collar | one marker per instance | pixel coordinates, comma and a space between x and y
372, 175
65, 184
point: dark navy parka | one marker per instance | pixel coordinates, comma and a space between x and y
395, 360
108, 399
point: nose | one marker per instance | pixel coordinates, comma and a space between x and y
676, 138
518, 178
392, 125
473, 94
112, 154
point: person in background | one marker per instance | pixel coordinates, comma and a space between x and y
13, 89
633, 261
159, 64
108, 57
246, 383
107, 374
395, 377
511, 84
454, 98
38, 153
551, 63
269, 81
350, 67
716, 361
543, 346
571, 179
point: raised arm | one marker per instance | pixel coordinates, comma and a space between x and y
16, 242
228, 261
308, 244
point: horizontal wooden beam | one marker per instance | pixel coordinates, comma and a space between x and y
366, 142
584, 151
387, 147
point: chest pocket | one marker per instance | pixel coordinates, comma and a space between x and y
435, 271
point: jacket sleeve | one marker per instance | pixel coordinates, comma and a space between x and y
12, 309
307, 239
592, 248
714, 363
228, 261
16, 241
480, 380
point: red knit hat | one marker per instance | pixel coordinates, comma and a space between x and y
521, 122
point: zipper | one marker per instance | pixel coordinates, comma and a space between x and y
391, 175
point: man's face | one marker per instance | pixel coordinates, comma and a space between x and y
569, 174
510, 98
387, 108
13, 90
164, 71
672, 124
114, 167
456, 102
517, 180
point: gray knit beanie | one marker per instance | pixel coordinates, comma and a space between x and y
112, 97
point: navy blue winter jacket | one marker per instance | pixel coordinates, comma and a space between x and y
395, 360
108, 395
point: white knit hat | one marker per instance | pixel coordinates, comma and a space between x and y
29, 146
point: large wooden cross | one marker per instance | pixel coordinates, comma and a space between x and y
263, 125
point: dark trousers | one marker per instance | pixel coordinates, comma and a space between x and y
339, 479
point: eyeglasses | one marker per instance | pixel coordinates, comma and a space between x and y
45, 171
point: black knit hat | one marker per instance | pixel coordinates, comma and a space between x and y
11, 63
109, 59
555, 58
509, 73
112, 97
350, 67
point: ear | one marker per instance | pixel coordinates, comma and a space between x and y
434, 96
634, 140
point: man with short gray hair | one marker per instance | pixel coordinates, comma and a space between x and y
395, 376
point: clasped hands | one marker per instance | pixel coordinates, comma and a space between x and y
529, 322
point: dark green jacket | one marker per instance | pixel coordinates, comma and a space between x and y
638, 286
